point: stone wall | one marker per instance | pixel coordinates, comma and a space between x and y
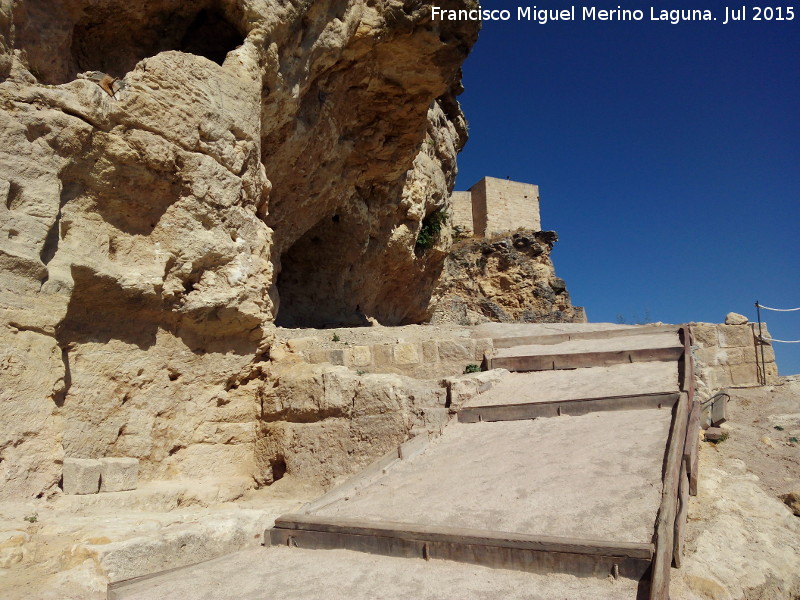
494, 206
461, 213
729, 356
424, 359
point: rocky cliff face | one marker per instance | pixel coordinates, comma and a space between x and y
175, 175
506, 279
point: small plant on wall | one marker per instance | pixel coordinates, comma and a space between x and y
430, 230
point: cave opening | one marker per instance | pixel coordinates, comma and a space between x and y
211, 35
206, 32
321, 284
114, 36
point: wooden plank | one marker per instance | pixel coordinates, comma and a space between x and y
558, 338
692, 446
579, 360
665, 523
680, 519
686, 364
576, 407
460, 535
413, 447
491, 555
116, 590
356, 482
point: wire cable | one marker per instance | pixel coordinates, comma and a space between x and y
777, 309
766, 339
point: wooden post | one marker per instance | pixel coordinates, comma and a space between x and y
665, 523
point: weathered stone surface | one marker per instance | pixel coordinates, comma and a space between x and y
405, 354
323, 422
503, 279
740, 541
81, 476
12, 547
463, 387
735, 336
247, 152
118, 474
361, 356
729, 355
733, 318
792, 500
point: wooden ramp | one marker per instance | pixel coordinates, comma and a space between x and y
591, 486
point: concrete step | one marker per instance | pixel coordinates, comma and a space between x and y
575, 392
584, 353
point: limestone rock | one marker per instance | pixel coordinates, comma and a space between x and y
733, 318
323, 422
792, 500
505, 278
740, 541
247, 152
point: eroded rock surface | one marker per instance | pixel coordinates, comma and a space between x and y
506, 278
244, 160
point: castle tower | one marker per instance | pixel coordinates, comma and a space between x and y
493, 206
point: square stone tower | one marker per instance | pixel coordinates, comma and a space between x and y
494, 206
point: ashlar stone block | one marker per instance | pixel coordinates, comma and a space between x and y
361, 356
406, 354
81, 476
733, 336
119, 474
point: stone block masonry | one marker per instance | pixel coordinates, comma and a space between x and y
423, 359
494, 206
730, 356
90, 476
118, 474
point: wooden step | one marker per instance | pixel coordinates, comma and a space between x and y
495, 549
583, 406
530, 358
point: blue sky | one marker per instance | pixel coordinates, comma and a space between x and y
668, 159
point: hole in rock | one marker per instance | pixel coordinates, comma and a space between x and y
278, 465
